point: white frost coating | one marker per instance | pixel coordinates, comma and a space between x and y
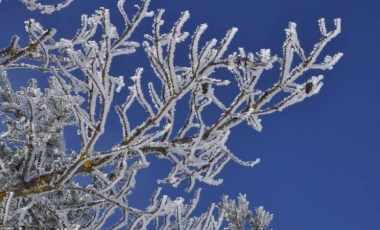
154, 96
322, 26
328, 62
3, 135
239, 214
120, 6
6, 208
139, 93
255, 122
46, 9
265, 55
225, 42
176, 37
119, 81
194, 45
2, 166
39, 170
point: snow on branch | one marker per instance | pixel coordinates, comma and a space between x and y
46, 9
239, 214
39, 174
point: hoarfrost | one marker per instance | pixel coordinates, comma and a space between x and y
38, 173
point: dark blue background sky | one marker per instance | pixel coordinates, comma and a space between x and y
320, 158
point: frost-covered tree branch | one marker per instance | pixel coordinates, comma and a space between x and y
37, 179
46, 9
238, 215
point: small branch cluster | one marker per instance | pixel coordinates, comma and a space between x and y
238, 215
37, 173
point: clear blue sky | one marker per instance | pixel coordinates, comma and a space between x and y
320, 158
